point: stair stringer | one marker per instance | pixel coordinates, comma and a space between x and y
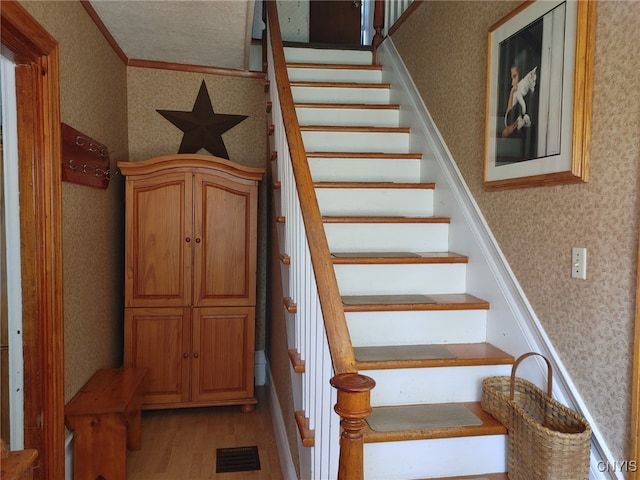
512, 324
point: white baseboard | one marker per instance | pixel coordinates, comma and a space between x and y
260, 369
68, 457
284, 452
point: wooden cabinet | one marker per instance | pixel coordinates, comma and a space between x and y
190, 279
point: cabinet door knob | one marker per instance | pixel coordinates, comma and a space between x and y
197, 240
185, 355
188, 239
195, 355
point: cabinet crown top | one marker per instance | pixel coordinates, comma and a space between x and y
187, 161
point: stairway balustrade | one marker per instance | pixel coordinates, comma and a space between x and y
393, 10
387, 15
321, 337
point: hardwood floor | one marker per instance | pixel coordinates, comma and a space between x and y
181, 444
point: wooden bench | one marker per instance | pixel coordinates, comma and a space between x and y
17, 465
105, 416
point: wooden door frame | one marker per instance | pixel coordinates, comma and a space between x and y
634, 450
36, 55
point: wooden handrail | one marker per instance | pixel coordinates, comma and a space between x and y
338, 337
403, 17
353, 390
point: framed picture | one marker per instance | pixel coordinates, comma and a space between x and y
539, 89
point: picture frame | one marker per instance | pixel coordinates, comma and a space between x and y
539, 91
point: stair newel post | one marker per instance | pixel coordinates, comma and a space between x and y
353, 406
378, 25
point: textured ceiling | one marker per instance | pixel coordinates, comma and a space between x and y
213, 33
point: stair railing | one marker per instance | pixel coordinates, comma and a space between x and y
393, 11
321, 338
388, 15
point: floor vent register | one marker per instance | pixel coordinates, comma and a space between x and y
238, 459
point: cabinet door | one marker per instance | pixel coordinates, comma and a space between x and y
225, 213
159, 226
159, 340
223, 346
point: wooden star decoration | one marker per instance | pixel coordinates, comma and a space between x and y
201, 126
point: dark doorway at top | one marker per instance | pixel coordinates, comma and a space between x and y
335, 22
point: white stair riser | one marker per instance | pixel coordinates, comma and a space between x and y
340, 94
375, 201
323, 141
332, 56
417, 327
371, 117
297, 74
385, 237
401, 279
441, 457
364, 170
409, 386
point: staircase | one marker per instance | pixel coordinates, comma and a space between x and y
413, 327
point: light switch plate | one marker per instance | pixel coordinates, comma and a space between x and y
579, 263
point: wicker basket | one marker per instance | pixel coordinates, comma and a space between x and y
547, 440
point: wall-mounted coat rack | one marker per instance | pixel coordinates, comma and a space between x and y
84, 160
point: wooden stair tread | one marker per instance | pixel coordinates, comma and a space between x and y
296, 362
334, 66
307, 436
397, 185
367, 155
341, 258
490, 426
353, 129
340, 84
285, 259
356, 106
426, 356
380, 303
398, 219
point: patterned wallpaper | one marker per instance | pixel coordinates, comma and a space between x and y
93, 101
590, 322
150, 134
294, 20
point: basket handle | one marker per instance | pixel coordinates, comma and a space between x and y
515, 366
